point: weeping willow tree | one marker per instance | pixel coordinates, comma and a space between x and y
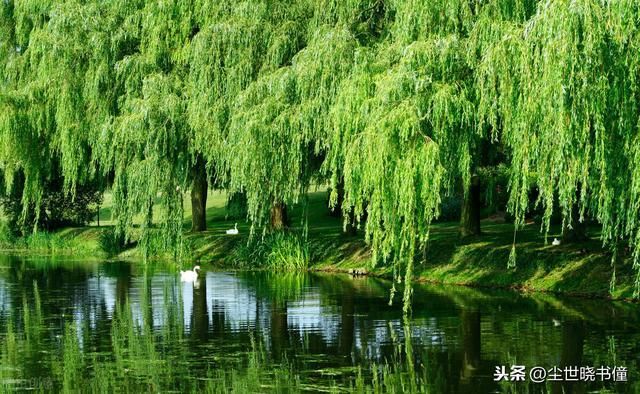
394, 101
234, 45
276, 122
404, 127
46, 117
146, 142
102, 84
24, 140
278, 78
562, 89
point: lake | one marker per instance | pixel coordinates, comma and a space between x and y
129, 327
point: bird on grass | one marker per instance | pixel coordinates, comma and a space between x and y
233, 231
191, 275
555, 242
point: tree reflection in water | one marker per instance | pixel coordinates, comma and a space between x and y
122, 326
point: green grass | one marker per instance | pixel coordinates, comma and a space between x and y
583, 269
276, 252
77, 242
216, 211
580, 269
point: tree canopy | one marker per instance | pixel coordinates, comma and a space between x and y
392, 99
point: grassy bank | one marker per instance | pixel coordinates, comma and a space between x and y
583, 269
580, 269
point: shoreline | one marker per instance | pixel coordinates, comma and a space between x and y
514, 287
582, 270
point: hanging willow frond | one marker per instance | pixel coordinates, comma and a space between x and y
394, 99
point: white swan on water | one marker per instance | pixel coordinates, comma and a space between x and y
234, 230
190, 276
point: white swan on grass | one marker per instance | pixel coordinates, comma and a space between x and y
234, 230
190, 276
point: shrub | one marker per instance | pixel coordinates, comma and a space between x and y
111, 242
236, 207
281, 251
7, 237
39, 241
57, 209
287, 252
251, 255
154, 244
61, 210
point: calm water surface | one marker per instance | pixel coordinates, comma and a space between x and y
130, 327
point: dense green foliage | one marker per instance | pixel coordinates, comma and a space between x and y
391, 99
55, 210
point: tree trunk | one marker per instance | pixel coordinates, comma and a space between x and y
199, 188
351, 225
279, 219
336, 211
470, 213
